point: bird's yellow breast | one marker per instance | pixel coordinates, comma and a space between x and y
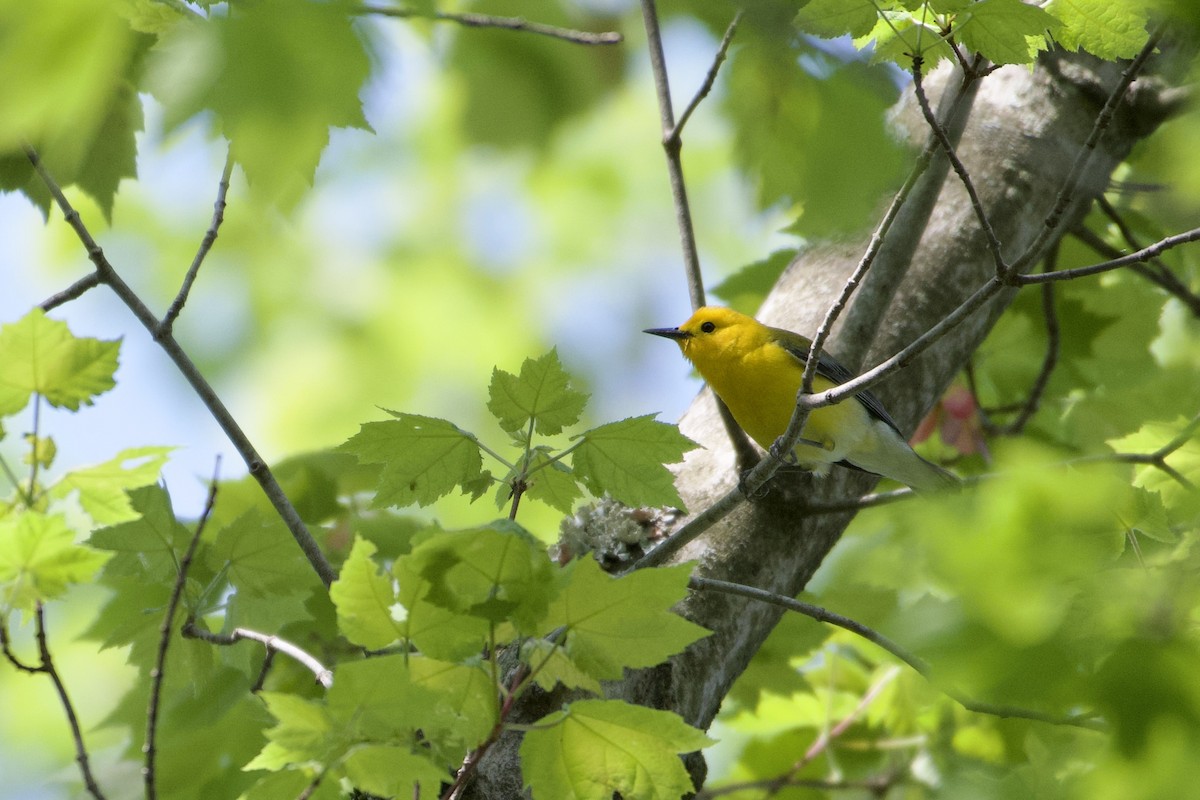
759, 385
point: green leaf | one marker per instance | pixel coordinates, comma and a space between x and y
302, 732
75, 102
1005, 31
796, 133
424, 458
542, 392
1110, 29
438, 632
498, 573
595, 748
613, 623
375, 700
898, 38
554, 666
467, 703
145, 546
39, 354
1148, 516
261, 556
550, 482
364, 598
516, 91
832, 18
625, 459
746, 288
279, 74
393, 771
103, 488
39, 559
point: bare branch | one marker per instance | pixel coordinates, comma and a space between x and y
717, 511
47, 666
256, 466
1156, 459
672, 146
471, 20
1155, 271
1139, 257
6, 648
210, 236
709, 79
876, 787
873, 636
956, 164
1103, 119
1027, 409
901, 359
157, 674
72, 292
889, 254
323, 675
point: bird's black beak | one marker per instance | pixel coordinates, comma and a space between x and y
669, 333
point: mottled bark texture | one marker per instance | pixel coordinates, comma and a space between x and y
1024, 131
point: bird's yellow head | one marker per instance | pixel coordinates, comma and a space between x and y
715, 334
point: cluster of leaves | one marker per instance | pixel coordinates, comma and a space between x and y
425, 458
1002, 31
825, 113
433, 643
39, 558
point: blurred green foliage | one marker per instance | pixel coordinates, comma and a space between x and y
417, 206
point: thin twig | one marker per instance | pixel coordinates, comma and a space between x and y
714, 513
72, 292
1103, 119
1156, 459
471, 20
1159, 275
157, 675
672, 146
894, 244
815, 612
1146, 254
323, 675
1049, 361
920, 665
47, 666
210, 236
866, 380
956, 164
710, 78
6, 648
312, 787
876, 787
255, 464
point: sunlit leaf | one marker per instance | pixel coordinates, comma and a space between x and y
39, 354
595, 748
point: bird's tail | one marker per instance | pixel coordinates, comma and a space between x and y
892, 458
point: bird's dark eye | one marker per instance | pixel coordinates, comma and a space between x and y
708, 327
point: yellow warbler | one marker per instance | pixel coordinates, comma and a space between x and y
756, 370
